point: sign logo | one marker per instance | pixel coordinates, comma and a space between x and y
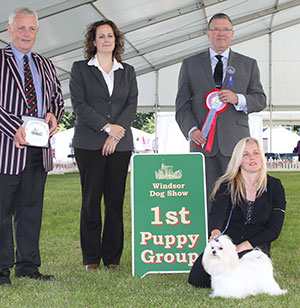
167, 173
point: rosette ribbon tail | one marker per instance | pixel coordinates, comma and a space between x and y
211, 135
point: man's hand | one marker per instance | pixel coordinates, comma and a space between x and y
20, 138
51, 120
197, 136
227, 96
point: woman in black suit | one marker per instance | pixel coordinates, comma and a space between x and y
254, 201
104, 99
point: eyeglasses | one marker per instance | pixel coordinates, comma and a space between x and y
220, 29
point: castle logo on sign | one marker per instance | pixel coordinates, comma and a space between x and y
167, 173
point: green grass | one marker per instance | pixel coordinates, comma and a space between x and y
75, 287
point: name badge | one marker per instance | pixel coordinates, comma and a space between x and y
37, 131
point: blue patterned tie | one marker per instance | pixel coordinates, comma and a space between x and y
29, 89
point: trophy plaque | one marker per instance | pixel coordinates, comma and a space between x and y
37, 131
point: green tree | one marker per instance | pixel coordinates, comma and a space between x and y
296, 129
149, 125
140, 119
67, 121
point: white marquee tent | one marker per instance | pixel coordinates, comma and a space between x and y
284, 140
161, 33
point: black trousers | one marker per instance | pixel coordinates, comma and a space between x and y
215, 167
102, 176
21, 197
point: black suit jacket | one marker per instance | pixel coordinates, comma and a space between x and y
94, 107
267, 218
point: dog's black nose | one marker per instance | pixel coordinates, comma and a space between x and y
214, 252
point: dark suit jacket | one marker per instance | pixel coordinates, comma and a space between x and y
196, 80
267, 218
13, 106
94, 107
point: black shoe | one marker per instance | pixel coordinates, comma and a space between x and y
4, 279
37, 275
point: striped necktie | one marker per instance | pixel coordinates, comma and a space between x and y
29, 89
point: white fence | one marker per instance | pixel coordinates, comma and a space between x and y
283, 164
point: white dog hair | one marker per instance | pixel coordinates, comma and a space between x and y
238, 278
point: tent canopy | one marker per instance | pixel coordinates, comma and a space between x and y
161, 33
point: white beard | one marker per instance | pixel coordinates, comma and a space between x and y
238, 278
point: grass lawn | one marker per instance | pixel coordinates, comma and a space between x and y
75, 287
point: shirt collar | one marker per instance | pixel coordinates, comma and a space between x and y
19, 54
225, 54
116, 65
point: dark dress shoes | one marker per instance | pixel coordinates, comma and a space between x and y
112, 267
36, 275
4, 279
92, 267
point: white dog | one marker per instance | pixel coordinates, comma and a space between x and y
238, 278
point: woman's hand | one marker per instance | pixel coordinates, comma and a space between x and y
117, 131
214, 234
109, 146
243, 246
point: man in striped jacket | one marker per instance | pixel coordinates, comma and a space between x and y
23, 168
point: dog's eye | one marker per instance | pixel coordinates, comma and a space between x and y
220, 248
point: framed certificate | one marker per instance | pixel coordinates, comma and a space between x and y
37, 131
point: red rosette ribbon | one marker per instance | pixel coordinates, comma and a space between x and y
215, 107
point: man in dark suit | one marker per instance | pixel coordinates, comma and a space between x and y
240, 92
23, 168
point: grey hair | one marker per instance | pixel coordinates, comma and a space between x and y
219, 16
24, 10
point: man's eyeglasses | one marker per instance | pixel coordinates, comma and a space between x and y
220, 29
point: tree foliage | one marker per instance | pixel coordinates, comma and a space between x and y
296, 129
67, 121
145, 121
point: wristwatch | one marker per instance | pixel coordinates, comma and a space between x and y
107, 128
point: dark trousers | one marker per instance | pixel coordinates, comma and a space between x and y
215, 167
102, 176
21, 197
198, 277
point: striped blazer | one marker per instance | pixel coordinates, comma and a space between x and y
13, 106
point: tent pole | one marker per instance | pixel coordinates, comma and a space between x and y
270, 89
156, 108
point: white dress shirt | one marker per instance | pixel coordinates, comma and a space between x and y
242, 104
108, 77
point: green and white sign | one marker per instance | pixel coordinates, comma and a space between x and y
168, 200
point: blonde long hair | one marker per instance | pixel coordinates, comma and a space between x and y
233, 176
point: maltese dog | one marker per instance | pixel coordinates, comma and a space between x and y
238, 278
